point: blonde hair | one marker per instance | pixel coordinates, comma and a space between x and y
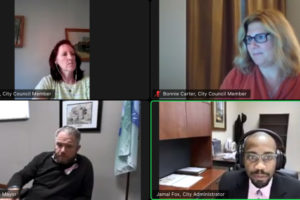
287, 50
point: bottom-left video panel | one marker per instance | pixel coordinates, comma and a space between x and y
70, 150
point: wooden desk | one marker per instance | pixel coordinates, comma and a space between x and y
210, 181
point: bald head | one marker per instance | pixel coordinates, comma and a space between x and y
260, 171
260, 138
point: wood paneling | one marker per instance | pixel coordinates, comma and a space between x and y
198, 119
172, 120
184, 120
191, 120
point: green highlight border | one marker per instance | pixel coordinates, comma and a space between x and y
157, 101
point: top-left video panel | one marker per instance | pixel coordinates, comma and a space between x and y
52, 49
107, 55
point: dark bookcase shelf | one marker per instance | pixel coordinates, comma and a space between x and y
277, 123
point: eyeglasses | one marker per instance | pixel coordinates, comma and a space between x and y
259, 38
253, 157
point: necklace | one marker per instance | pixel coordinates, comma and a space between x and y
70, 88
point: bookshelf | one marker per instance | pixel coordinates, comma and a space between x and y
277, 123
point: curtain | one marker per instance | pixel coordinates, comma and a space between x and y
127, 148
212, 27
253, 5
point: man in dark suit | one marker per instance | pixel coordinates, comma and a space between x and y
259, 179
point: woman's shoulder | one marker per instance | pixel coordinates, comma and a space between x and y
84, 87
237, 72
85, 80
233, 79
45, 83
48, 78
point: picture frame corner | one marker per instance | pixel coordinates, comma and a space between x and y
84, 45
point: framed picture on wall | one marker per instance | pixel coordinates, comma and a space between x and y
219, 115
80, 38
19, 31
84, 115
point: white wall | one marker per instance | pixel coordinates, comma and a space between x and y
172, 44
252, 110
293, 15
22, 140
45, 23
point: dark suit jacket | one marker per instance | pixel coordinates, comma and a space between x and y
235, 185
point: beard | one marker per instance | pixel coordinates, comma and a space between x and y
260, 183
63, 160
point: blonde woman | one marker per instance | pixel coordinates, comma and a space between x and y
269, 61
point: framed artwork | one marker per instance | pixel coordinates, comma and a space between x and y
19, 31
219, 115
84, 115
80, 38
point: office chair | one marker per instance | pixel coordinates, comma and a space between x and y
289, 172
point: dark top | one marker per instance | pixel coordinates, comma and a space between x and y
238, 127
235, 185
51, 180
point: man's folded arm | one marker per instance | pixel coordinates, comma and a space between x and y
24, 176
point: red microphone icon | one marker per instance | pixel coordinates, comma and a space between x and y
157, 93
